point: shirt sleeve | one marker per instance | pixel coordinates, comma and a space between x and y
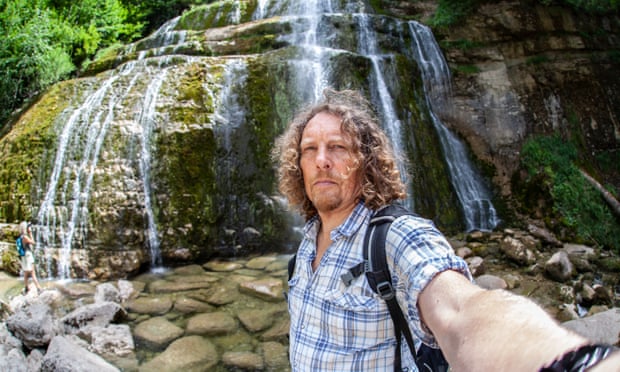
416, 251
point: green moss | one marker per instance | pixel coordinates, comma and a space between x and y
610, 264
466, 69
462, 44
22, 150
216, 14
10, 262
536, 60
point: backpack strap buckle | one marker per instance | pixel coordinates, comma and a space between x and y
385, 290
347, 278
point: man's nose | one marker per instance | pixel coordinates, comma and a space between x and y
323, 160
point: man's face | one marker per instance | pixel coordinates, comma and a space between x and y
329, 170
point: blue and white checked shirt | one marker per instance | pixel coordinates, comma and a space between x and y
340, 328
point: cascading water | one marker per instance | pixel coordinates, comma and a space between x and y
475, 199
146, 119
60, 213
311, 64
229, 116
63, 215
391, 122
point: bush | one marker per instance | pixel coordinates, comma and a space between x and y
576, 204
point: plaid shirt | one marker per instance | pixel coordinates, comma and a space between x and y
340, 328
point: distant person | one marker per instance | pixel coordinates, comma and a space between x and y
338, 168
27, 260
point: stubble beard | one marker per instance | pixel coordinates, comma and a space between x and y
326, 201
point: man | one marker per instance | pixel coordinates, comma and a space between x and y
337, 167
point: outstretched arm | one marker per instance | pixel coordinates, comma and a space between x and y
491, 330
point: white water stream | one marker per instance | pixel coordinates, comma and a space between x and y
474, 196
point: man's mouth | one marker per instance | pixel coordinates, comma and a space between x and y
324, 183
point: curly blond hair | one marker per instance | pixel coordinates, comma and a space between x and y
381, 181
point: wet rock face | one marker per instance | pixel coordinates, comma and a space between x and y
532, 70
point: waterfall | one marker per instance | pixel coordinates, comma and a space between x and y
146, 120
63, 214
62, 210
311, 63
391, 123
312, 68
229, 116
475, 199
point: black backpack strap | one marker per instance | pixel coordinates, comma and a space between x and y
291, 266
378, 275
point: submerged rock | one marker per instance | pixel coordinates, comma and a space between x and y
156, 333
187, 354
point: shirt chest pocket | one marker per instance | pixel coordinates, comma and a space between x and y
358, 321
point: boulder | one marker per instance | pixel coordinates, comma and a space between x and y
491, 282
275, 356
33, 324
107, 292
243, 360
188, 305
99, 314
63, 354
269, 289
476, 265
155, 305
559, 267
114, 340
517, 251
602, 327
255, 320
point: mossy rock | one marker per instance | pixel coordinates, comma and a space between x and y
10, 262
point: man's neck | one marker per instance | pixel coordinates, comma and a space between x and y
330, 220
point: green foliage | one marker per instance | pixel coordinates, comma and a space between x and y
462, 44
467, 69
451, 12
45, 40
577, 205
154, 13
593, 6
535, 60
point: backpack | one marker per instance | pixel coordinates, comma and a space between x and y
20, 247
375, 267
